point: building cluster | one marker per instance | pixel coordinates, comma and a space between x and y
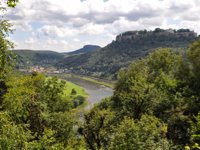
38, 69
41, 69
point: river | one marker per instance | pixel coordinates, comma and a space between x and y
95, 91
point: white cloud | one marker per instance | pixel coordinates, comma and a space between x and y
64, 42
191, 25
24, 26
76, 40
85, 20
31, 40
98, 11
52, 41
49, 44
92, 29
55, 31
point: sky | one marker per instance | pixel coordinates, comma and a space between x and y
67, 25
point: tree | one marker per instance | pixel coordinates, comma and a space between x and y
196, 130
12, 136
52, 95
22, 100
133, 94
73, 92
6, 62
63, 126
6, 57
155, 86
97, 129
10, 3
149, 133
147, 83
193, 80
179, 130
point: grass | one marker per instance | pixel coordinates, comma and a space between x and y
68, 89
79, 92
67, 92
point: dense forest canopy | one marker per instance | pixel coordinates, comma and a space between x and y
154, 105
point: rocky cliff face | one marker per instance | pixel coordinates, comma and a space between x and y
161, 33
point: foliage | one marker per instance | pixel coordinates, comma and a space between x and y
195, 138
96, 128
6, 60
147, 85
155, 93
53, 87
38, 107
62, 125
12, 136
149, 133
133, 91
73, 92
23, 96
12, 3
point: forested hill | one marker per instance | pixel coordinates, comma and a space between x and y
85, 49
127, 47
26, 58
46, 58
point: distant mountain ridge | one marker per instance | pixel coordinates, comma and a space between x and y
128, 46
85, 49
46, 58
26, 58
